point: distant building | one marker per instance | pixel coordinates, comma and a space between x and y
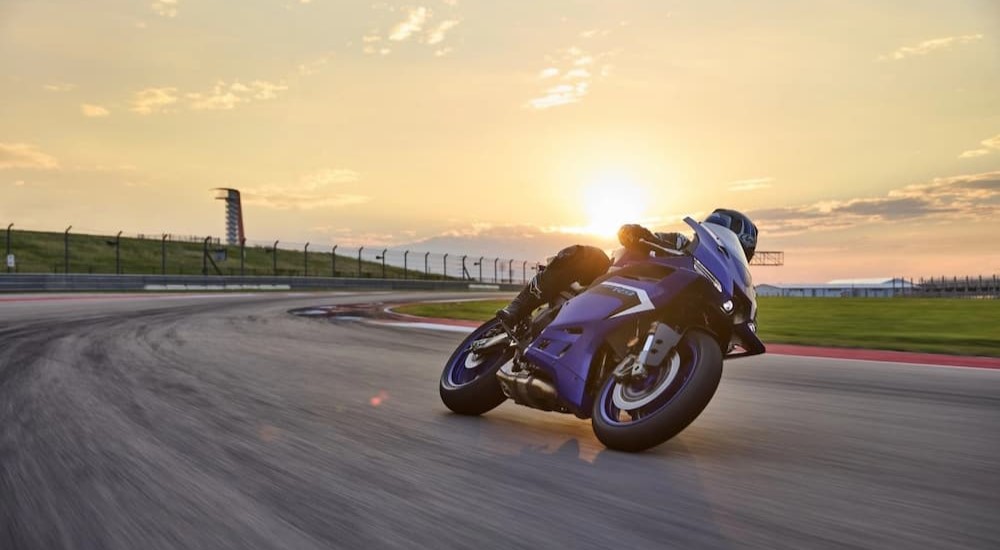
840, 288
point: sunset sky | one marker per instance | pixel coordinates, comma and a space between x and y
863, 136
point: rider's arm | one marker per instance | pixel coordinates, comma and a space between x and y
631, 236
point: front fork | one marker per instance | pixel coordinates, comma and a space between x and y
661, 339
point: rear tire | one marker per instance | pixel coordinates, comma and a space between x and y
476, 390
700, 362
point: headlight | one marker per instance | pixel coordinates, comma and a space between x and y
727, 306
700, 268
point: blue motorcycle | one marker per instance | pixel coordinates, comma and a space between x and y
639, 351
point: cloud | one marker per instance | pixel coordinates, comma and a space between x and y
59, 87
165, 8
413, 23
23, 155
153, 100
989, 145
310, 192
314, 66
225, 96
751, 184
419, 26
437, 34
968, 197
928, 46
93, 111
574, 68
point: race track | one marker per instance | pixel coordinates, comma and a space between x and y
200, 422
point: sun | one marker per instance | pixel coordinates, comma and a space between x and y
610, 201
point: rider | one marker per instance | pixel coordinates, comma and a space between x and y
582, 264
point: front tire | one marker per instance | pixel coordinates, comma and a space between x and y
469, 385
637, 415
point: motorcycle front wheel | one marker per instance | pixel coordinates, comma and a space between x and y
635, 415
469, 384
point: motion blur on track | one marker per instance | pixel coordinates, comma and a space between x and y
227, 423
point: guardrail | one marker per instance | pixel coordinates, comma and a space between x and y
132, 283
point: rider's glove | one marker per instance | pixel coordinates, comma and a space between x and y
632, 235
676, 241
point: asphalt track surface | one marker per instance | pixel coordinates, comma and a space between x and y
227, 423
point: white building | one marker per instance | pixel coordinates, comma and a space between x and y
840, 288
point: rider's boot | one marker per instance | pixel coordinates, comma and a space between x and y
521, 306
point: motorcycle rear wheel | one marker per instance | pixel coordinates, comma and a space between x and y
637, 415
469, 385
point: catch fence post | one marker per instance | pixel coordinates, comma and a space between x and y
465, 272
305, 265
163, 254
495, 262
118, 254
405, 266
204, 255
524, 271
359, 261
333, 261
243, 256
66, 250
510, 271
274, 259
384, 251
8, 245
480, 264
445, 276
427, 269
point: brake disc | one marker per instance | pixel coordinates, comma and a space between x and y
630, 403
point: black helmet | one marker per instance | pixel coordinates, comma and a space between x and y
739, 224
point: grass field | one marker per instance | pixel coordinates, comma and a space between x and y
960, 327
43, 252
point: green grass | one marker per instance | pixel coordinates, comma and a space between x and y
43, 252
959, 327
479, 310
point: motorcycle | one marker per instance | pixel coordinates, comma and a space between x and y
639, 351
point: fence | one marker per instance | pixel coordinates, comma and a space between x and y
978, 287
165, 254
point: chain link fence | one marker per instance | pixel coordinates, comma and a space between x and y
167, 254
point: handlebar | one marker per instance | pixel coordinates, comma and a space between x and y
660, 247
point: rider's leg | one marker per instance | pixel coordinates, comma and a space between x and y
581, 264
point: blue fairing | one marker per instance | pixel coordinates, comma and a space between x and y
565, 349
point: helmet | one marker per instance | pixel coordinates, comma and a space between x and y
739, 224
